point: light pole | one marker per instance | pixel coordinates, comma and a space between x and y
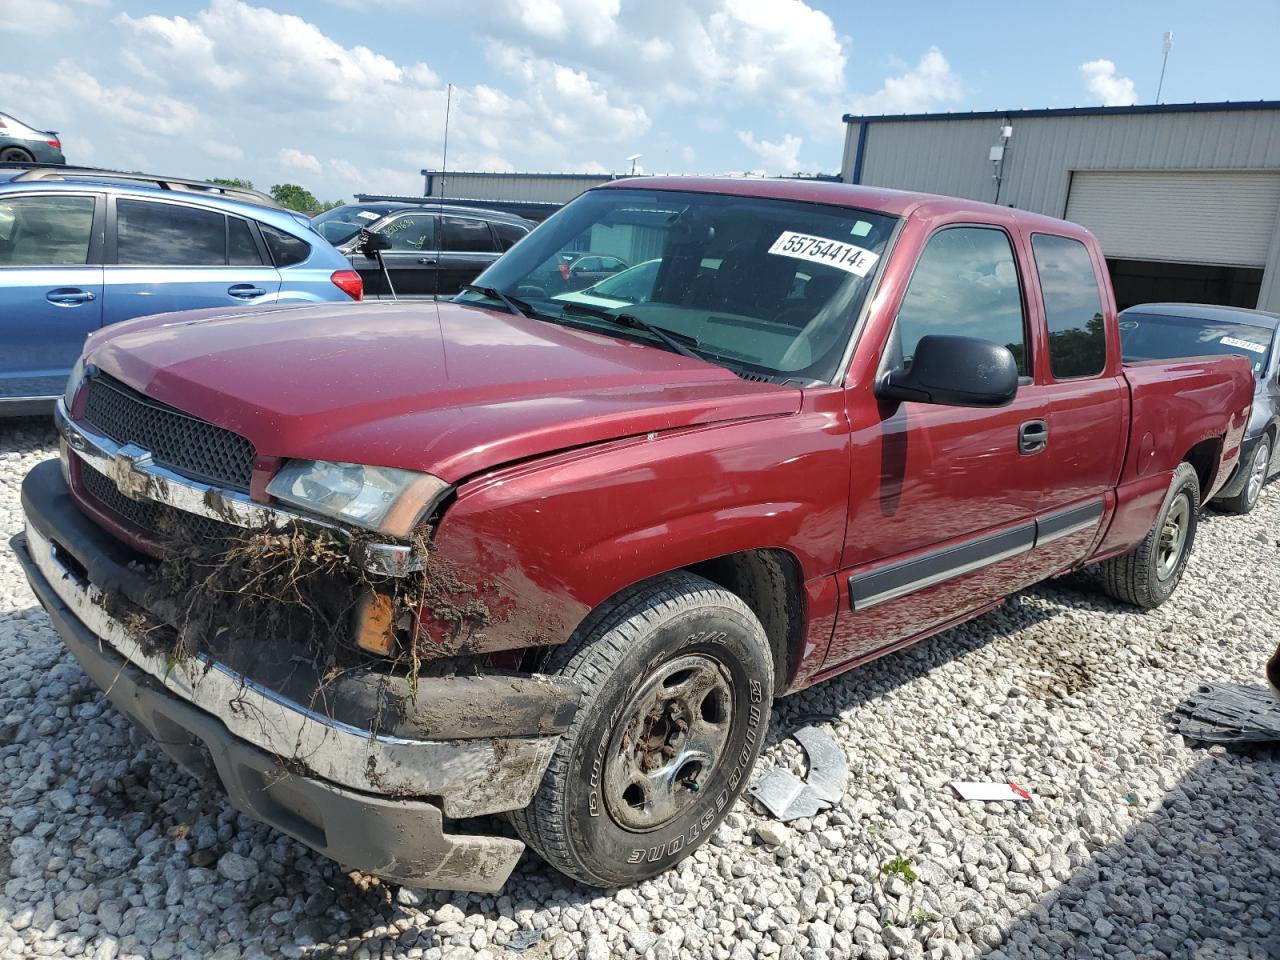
632, 160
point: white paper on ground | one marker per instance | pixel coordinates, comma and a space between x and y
969, 790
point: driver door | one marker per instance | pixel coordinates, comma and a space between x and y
942, 498
413, 260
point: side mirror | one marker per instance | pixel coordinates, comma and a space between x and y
371, 242
957, 371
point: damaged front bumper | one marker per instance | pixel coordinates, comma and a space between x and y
368, 788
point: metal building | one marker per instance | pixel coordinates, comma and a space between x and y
1185, 198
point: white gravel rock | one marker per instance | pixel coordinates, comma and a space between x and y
1135, 845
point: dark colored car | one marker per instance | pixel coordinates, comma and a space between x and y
558, 558
1162, 331
434, 250
20, 143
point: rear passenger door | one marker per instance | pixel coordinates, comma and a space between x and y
50, 288
467, 247
1086, 399
164, 255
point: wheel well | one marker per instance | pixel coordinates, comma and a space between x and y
1204, 458
770, 583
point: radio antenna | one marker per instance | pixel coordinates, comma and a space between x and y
444, 167
1167, 45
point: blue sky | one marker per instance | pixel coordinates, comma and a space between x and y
348, 95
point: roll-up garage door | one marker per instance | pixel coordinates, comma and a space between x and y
1210, 218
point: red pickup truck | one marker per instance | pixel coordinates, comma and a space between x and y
553, 550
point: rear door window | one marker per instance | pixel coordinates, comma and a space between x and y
464, 235
1072, 307
965, 284
45, 231
286, 249
242, 251
508, 234
169, 235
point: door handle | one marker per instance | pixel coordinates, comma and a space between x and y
1033, 436
245, 291
70, 296
427, 261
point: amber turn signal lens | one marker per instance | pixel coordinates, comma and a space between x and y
375, 614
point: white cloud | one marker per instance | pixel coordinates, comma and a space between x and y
548, 85
780, 157
41, 17
1104, 83
595, 22
924, 87
295, 159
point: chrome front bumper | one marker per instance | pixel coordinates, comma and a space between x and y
469, 777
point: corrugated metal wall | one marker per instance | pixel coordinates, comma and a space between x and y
951, 156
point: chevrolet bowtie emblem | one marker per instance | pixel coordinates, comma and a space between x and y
128, 470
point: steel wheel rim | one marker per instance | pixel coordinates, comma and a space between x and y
1258, 472
1173, 537
669, 743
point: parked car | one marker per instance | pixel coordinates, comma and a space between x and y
20, 143
435, 250
81, 249
1163, 331
561, 558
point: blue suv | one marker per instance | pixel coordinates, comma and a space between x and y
81, 248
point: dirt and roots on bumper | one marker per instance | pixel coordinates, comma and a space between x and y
369, 787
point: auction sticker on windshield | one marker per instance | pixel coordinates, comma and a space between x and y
1243, 344
842, 256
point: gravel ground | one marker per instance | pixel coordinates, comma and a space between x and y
1136, 844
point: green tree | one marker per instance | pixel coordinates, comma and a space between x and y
232, 182
294, 197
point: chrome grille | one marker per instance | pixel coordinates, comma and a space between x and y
182, 443
152, 518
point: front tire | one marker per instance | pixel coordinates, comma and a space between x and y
677, 679
1148, 574
1257, 468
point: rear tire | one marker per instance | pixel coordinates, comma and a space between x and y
1257, 468
677, 679
1148, 574
15, 155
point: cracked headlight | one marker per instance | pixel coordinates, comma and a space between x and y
384, 499
73, 383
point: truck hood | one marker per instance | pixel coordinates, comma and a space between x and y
447, 388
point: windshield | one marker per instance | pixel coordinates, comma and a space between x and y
1148, 336
764, 286
342, 223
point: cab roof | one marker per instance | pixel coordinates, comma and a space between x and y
895, 203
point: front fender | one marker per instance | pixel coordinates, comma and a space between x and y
541, 544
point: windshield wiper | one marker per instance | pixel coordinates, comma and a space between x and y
678, 342
518, 307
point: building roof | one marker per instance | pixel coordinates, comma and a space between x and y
1223, 106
